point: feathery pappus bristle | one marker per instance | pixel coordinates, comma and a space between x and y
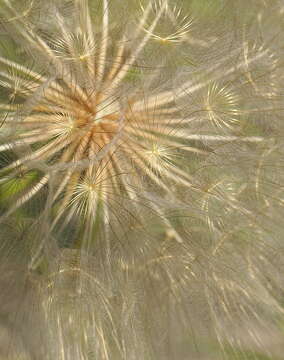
141, 180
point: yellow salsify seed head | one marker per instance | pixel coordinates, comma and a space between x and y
141, 197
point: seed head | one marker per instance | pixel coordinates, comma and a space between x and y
141, 197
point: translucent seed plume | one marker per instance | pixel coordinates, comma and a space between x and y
141, 179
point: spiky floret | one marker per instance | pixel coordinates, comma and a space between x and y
136, 156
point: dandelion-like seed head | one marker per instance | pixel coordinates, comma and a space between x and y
82, 114
140, 184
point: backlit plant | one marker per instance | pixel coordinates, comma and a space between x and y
141, 179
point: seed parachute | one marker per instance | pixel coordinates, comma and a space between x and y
141, 179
